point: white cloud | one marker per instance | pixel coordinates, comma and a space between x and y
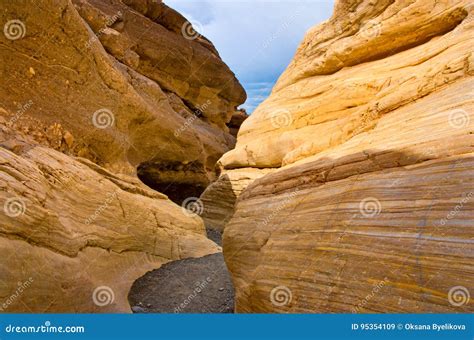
257, 39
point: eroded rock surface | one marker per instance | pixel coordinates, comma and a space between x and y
81, 233
94, 96
371, 130
218, 200
130, 86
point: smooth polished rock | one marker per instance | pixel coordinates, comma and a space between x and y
370, 130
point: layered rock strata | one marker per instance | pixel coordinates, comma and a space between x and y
371, 130
218, 200
132, 82
94, 96
74, 237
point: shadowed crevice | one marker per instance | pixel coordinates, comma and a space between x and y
176, 180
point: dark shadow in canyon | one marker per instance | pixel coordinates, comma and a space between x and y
175, 180
194, 285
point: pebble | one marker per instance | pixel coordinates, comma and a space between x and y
138, 309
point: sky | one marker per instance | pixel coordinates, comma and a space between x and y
256, 38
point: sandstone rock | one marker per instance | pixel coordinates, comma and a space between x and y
236, 121
74, 237
219, 198
325, 109
371, 129
97, 95
105, 73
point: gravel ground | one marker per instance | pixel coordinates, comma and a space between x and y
200, 285
214, 235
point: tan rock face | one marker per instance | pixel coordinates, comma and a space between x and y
76, 236
236, 121
132, 88
218, 200
325, 108
94, 96
371, 209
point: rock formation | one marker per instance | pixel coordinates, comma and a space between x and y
95, 94
236, 121
81, 233
132, 83
370, 134
218, 200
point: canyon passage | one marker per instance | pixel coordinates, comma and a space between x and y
131, 181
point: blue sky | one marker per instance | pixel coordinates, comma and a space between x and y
256, 38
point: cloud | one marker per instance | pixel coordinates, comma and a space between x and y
258, 38
256, 93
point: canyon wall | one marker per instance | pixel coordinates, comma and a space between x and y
132, 84
369, 132
96, 95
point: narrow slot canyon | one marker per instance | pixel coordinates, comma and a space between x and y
192, 285
142, 172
